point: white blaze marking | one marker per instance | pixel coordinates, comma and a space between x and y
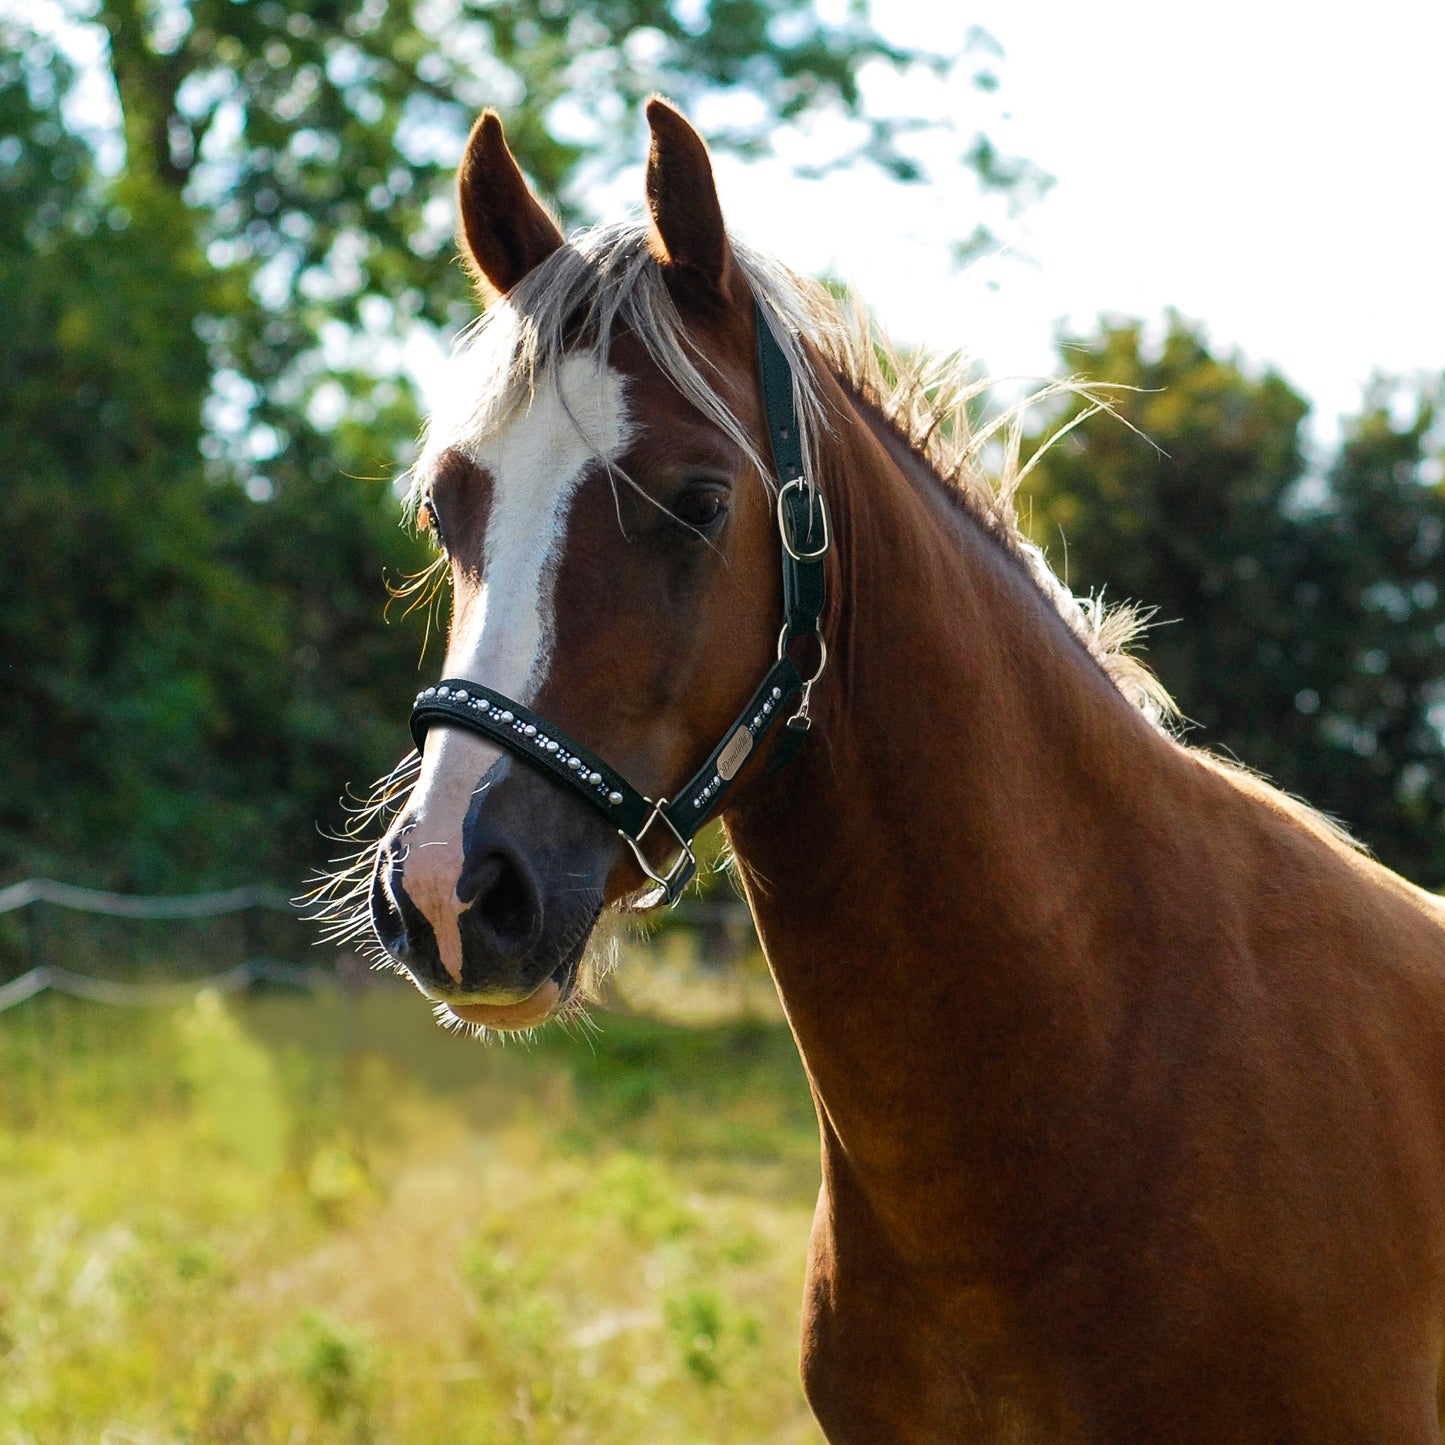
536, 461
504, 639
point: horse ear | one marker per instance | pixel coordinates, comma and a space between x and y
688, 234
503, 230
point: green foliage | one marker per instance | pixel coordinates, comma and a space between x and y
314, 142
332, 1365
1380, 621
1302, 626
165, 722
514, 1261
204, 416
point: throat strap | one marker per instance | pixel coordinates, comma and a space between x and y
806, 538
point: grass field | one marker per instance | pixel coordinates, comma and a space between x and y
286, 1219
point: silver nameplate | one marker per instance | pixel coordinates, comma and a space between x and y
734, 755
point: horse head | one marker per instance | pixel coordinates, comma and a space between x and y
596, 480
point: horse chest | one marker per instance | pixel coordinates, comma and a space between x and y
887, 1356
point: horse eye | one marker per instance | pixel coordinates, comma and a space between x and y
701, 507
428, 521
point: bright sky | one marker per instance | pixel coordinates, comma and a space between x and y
1275, 169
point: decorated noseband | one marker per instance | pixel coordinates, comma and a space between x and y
806, 536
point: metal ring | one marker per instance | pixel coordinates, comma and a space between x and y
685, 860
784, 639
818, 553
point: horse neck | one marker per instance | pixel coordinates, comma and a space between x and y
932, 874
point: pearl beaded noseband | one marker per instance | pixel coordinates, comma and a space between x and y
802, 512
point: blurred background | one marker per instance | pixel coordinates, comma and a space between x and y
248, 1190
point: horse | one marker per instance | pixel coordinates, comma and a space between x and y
1129, 1070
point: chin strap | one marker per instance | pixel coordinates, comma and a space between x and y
806, 538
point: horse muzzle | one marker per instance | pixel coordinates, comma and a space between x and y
494, 922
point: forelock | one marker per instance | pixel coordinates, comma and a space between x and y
606, 282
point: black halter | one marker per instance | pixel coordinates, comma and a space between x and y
806, 537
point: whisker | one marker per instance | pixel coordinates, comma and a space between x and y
339, 898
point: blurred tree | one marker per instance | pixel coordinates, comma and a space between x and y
158, 729
1301, 626
204, 407
314, 142
1373, 600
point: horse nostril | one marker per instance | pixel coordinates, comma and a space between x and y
504, 900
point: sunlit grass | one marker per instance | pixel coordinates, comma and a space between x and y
295, 1220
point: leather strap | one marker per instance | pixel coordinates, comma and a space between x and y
699, 796
527, 734
802, 513
803, 521
804, 526
784, 433
531, 737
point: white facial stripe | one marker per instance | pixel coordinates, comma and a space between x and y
452, 768
536, 461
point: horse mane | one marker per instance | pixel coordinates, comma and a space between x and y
931, 401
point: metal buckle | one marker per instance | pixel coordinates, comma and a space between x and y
683, 867
816, 503
801, 717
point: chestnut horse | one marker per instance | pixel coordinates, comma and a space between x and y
1129, 1071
